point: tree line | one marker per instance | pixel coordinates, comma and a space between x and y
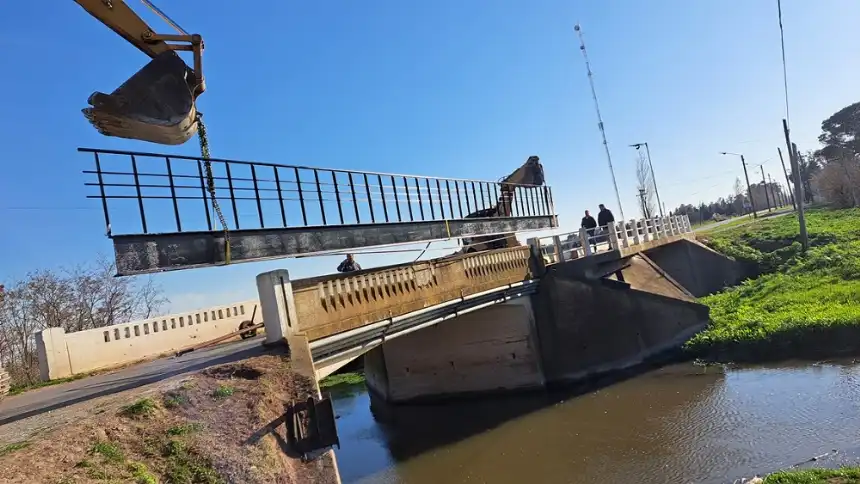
75, 299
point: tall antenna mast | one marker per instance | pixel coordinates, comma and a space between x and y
599, 117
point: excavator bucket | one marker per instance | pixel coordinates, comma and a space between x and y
156, 104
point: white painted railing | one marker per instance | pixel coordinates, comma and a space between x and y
616, 235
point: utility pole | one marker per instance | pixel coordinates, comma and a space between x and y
776, 203
599, 117
798, 186
764, 185
747, 177
787, 180
653, 177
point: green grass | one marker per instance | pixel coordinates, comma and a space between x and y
223, 391
8, 449
142, 408
174, 399
19, 389
846, 475
342, 379
185, 466
802, 305
109, 451
141, 473
185, 429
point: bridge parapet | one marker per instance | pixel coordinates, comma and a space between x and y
626, 237
349, 301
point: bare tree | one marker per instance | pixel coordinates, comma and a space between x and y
837, 182
644, 182
739, 199
75, 299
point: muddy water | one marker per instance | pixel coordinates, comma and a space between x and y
678, 424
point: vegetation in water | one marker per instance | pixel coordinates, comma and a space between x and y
803, 305
342, 379
846, 475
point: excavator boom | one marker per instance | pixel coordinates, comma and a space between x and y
157, 104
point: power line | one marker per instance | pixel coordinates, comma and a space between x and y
784, 70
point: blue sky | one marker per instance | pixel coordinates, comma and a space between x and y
448, 88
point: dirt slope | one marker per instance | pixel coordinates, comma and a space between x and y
208, 428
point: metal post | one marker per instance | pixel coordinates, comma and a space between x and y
653, 176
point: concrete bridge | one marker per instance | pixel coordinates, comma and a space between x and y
468, 323
503, 319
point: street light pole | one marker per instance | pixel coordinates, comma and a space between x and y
653, 177
747, 177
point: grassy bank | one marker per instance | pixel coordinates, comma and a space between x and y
801, 306
846, 475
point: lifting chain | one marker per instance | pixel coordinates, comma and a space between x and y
210, 182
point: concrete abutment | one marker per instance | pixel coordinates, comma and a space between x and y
574, 327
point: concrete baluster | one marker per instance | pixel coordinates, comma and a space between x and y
635, 231
583, 237
646, 235
670, 221
687, 223
612, 227
625, 235
557, 248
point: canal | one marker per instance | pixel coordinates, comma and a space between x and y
677, 424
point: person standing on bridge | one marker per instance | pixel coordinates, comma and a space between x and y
348, 265
589, 224
604, 218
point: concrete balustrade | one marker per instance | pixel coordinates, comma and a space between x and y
64, 354
344, 302
627, 237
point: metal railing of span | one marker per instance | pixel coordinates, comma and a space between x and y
146, 187
584, 242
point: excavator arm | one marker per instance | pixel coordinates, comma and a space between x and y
156, 104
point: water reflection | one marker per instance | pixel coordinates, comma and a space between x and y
677, 424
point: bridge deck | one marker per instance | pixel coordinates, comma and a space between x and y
160, 213
344, 315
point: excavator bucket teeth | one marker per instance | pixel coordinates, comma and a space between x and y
156, 104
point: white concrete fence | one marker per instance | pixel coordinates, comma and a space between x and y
64, 354
573, 245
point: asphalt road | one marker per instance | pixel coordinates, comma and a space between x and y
762, 215
51, 398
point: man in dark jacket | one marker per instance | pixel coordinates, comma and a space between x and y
589, 224
604, 218
348, 265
